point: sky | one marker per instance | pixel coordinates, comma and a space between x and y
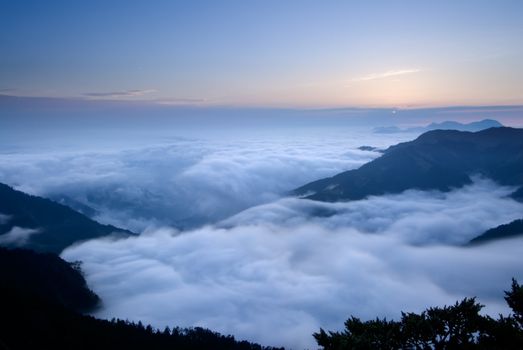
305, 54
190, 122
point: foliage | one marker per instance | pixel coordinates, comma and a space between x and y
32, 322
459, 326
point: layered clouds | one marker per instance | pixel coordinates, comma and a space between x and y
183, 182
276, 273
414, 217
223, 247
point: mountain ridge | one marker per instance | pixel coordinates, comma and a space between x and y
44, 225
436, 160
509, 230
445, 125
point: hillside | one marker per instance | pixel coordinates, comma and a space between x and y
47, 276
436, 160
512, 229
41, 297
44, 225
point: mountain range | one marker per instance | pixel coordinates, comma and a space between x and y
436, 160
42, 297
446, 125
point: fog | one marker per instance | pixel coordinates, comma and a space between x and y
183, 182
222, 245
274, 274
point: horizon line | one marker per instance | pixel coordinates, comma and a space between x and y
183, 104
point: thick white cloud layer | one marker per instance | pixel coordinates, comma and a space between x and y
182, 182
416, 217
278, 268
275, 274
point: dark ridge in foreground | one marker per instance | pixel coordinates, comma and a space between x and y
40, 296
46, 276
510, 230
54, 226
437, 160
29, 322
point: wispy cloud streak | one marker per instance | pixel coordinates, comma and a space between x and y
387, 74
119, 94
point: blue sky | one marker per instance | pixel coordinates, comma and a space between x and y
265, 53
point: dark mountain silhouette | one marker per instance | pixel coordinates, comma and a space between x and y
512, 229
47, 276
44, 225
446, 125
437, 160
518, 195
474, 126
40, 299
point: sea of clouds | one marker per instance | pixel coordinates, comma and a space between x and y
223, 246
183, 182
275, 274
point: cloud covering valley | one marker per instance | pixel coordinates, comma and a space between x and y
274, 274
222, 246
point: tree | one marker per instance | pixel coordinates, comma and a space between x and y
514, 299
459, 326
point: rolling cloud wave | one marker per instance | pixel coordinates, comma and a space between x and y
276, 273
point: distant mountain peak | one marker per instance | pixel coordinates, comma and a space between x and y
473, 126
446, 125
436, 160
